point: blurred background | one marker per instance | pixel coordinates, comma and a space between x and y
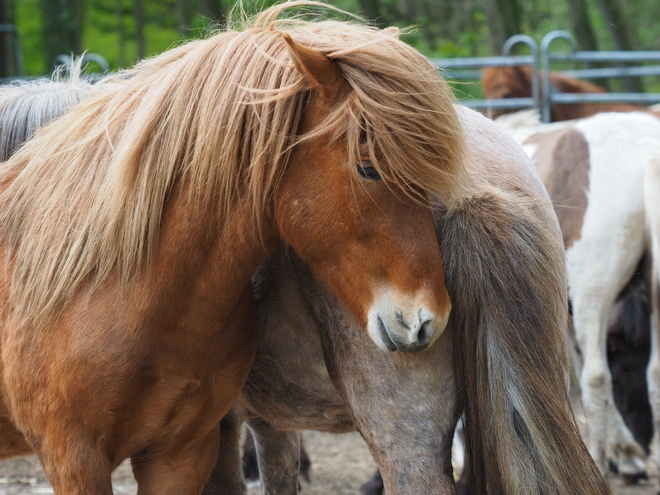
124, 31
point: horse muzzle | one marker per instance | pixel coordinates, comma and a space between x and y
405, 328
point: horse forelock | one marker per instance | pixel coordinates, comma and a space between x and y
219, 118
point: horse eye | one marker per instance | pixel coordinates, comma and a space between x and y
368, 172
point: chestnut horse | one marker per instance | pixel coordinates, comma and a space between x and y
594, 172
502, 361
132, 224
516, 82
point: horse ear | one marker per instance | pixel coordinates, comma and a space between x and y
318, 70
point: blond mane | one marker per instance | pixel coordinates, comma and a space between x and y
217, 119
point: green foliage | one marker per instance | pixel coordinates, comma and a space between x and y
444, 28
28, 20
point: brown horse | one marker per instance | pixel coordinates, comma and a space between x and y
516, 82
131, 227
502, 361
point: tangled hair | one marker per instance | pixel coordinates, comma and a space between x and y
26, 106
216, 119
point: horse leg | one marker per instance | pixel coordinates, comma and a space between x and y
653, 371
630, 460
167, 470
278, 453
590, 318
12, 441
595, 380
75, 467
227, 476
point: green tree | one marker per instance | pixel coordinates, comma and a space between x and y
503, 19
621, 37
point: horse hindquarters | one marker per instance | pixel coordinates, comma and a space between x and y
652, 207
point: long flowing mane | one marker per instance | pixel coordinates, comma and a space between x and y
216, 119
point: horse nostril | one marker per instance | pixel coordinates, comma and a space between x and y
423, 333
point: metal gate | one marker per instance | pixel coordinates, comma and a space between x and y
544, 95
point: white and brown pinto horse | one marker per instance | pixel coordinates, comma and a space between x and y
502, 360
593, 170
130, 228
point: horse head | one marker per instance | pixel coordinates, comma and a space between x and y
344, 212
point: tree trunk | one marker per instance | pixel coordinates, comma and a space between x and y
138, 14
185, 12
9, 64
620, 37
121, 33
370, 9
503, 19
5, 57
582, 28
584, 33
62, 28
214, 10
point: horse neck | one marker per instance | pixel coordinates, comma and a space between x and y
198, 260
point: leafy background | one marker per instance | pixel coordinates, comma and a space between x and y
123, 31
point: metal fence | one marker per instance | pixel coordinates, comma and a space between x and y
544, 95
464, 68
624, 69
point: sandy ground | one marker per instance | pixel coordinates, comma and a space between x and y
340, 464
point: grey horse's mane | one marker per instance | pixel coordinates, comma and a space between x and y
27, 105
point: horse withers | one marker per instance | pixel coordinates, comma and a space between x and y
502, 362
131, 227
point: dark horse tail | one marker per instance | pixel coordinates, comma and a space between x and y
504, 269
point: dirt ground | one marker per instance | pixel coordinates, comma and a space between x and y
340, 464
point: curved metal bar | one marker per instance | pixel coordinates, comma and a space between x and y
525, 39
98, 60
517, 39
546, 87
67, 61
